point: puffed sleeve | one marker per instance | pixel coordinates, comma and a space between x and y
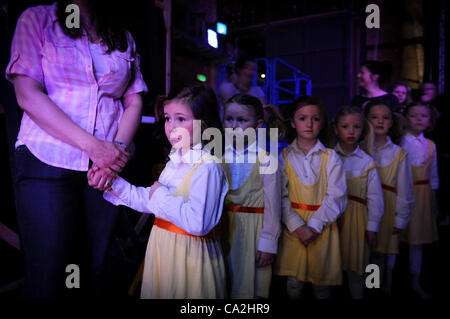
137, 83
375, 202
26, 47
202, 211
268, 241
433, 169
335, 200
129, 195
405, 198
288, 216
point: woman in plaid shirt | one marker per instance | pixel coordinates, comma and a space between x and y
80, 90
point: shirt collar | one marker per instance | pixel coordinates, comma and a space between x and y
357, 152
316, 148
388, 144
192, 156
419, 138
253, 147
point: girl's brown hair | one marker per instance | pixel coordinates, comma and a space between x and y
202, 101
275, 119
305, 100
433, 113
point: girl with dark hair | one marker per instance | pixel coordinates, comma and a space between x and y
253, 204
396, 180
371, 76
422, 229
360, 222
184, 257
314, 194
81, 96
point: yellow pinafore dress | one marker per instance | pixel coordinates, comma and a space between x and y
422, 227
387, 243
320, 262
181, 265
244, 207
355, 251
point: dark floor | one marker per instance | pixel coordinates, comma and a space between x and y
125, 258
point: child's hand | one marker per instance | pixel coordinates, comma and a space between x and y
264, 259
153, 188
315, 235
396, 231
101, 178
304, 234
371, 239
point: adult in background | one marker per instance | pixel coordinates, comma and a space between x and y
242, 83
80, 92
371, 76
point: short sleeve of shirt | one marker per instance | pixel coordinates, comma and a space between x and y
26, 46
137, 83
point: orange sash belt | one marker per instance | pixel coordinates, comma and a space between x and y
358, 199
389, 188
164, 224
244, 209
305, 206
422, 182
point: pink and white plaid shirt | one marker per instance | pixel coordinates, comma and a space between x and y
64, 67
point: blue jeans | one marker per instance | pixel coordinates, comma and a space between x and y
52, 204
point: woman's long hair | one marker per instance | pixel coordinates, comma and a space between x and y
108, 23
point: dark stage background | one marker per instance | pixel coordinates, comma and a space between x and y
326, 39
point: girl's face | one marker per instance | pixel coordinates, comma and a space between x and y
240, 116
308, 122
418, 118
365, 77
349, 128
400, 92
380, 117
179, 124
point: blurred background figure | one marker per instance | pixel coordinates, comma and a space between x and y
241, 82
402, 92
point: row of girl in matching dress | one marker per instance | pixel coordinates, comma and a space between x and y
222, 229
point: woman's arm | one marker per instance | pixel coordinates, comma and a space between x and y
45, 113
131, 118
101, 178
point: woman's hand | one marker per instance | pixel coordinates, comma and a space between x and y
108, 155
264, 259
